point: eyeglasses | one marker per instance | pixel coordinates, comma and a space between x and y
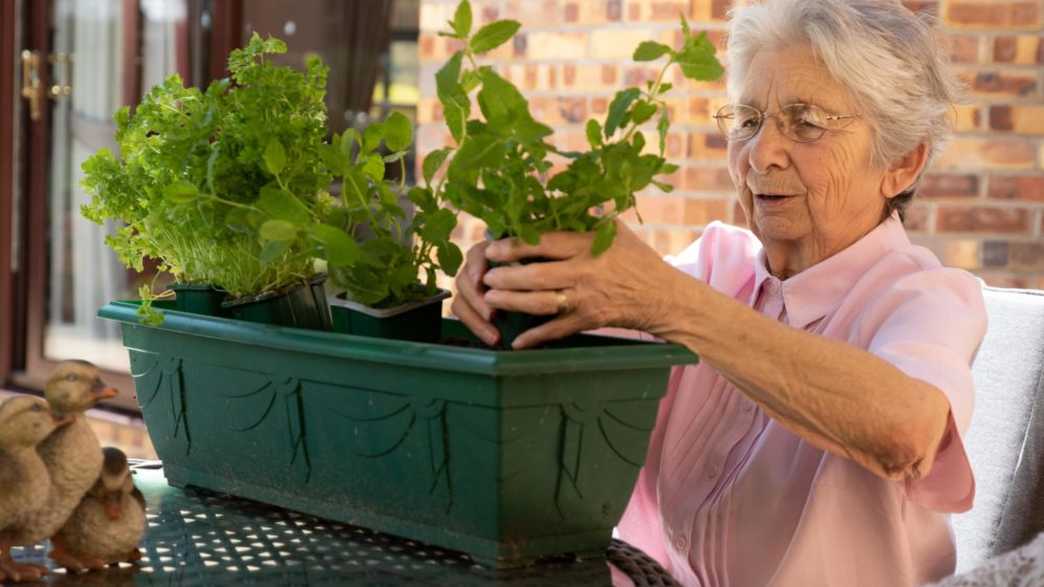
803, 123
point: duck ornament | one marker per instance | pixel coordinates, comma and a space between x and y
110, 521
25, 422
72, 456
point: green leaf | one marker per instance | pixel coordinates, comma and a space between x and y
462, 19
278, 230
603, 237
455, 103
275, 157
282, 205
661, 128
340, 249
398, 132
663, 186
698, 61
594, 133
642, 111
181, 192
529, 234
433, 162
493, 35
422, 198
650, 50
450, 258
618, 109
372, 137
438, 225
272, 251
374, 167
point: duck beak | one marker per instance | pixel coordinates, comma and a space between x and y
112, 507
105, 393
61, 419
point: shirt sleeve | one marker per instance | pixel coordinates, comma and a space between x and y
935, 321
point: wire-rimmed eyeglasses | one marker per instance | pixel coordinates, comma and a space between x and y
803, 123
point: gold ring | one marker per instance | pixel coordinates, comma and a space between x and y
563, 301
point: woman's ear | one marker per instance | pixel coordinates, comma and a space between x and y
903, 172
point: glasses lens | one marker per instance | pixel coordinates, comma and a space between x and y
738, 122
804, 123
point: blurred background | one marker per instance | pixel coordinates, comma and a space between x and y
67, 65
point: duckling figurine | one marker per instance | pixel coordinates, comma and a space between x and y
72, 454
110, 521
25, 421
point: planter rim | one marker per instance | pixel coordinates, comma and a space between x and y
193, 287
388, 312
439, 357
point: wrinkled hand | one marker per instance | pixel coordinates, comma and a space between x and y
627, 286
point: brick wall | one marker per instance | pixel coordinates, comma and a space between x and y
981, 207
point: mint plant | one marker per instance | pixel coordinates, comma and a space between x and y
497, 168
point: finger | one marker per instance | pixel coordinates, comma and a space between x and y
475, 323
469, 281
553, 245
567, 325
532, 277
537, 303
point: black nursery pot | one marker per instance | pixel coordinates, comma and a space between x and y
419, 321
512, 324
300, 306
197, 298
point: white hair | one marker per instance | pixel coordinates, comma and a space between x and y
886, 56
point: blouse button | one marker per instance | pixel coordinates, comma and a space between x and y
681, 543
748, 407
712, 471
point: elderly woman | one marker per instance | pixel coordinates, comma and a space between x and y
818, 441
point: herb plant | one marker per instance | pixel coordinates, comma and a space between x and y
497, 166
384, 270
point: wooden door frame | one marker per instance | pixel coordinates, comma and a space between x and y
8, 39
35, 367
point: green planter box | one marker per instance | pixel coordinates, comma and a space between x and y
508, 456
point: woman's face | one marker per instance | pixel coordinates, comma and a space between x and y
834, 192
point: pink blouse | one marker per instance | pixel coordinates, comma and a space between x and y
729, 496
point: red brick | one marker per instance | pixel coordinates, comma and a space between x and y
573, 109
1026, 256
1000, 83
1000, 118
982, 219
572, 12
614, 10
949, 185
993, 14
964, 49
1027, 188
661, 208
668, 10
1004, 49
609, 74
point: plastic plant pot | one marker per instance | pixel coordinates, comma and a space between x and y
197, 298
511, 324
508, 456
419, 321
298, 306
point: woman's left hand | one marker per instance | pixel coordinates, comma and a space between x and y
627, 286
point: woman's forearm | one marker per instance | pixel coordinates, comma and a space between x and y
838, 397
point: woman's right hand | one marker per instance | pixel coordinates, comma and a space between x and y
469, 304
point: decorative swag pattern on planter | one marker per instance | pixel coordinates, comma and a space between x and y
506, 455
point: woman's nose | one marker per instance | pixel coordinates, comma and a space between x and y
768, 148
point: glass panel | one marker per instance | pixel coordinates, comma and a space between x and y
111, 55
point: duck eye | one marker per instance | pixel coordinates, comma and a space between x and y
36, 408
71, 377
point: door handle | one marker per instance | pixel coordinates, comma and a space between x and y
63, 61
32, 86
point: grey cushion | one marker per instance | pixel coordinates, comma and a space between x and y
1006, 439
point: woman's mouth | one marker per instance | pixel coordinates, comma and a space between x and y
770, 199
